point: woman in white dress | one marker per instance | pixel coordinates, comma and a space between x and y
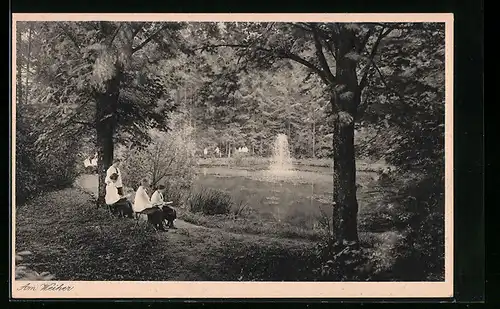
117, 203
114, 171
169, 214
141, 201
142, 205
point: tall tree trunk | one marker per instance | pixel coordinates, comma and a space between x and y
107, 103
345, 100
344, 183
19, 67
28, 63
314, 140
290, 141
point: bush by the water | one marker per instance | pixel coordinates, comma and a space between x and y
210, 202
169, 160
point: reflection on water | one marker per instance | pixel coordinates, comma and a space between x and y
297, 199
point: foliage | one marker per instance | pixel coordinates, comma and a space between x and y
168, 160
210, 202
251, 82
420, 256
408, 80
406, 118
77, 58
406, 74
41, 166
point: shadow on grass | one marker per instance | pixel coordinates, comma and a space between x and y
75, 241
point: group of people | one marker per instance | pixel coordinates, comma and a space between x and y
156, 209
218, 152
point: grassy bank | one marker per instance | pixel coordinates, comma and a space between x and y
250, 225
71, 239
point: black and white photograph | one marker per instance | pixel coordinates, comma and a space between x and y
232, 150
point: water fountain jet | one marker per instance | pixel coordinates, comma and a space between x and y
281, 161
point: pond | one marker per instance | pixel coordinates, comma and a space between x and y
300, 198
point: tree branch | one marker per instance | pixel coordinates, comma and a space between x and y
205, 47
85, 123
303, 26
382, 77
137, 30
70, 36
279, 53
296, 58
373, 52
151, 37
165, 169
365, 40
156, 163
321, 56
321, 33
365, 105
114, 35
402, 26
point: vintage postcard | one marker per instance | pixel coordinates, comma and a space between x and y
178, 156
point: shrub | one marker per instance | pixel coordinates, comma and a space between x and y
169, 160
240, 209
174, 194
43, 161
420, 256
240, 158
334, 264
210, 202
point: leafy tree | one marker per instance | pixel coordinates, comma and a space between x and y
342, 55
108, 80
39, 165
